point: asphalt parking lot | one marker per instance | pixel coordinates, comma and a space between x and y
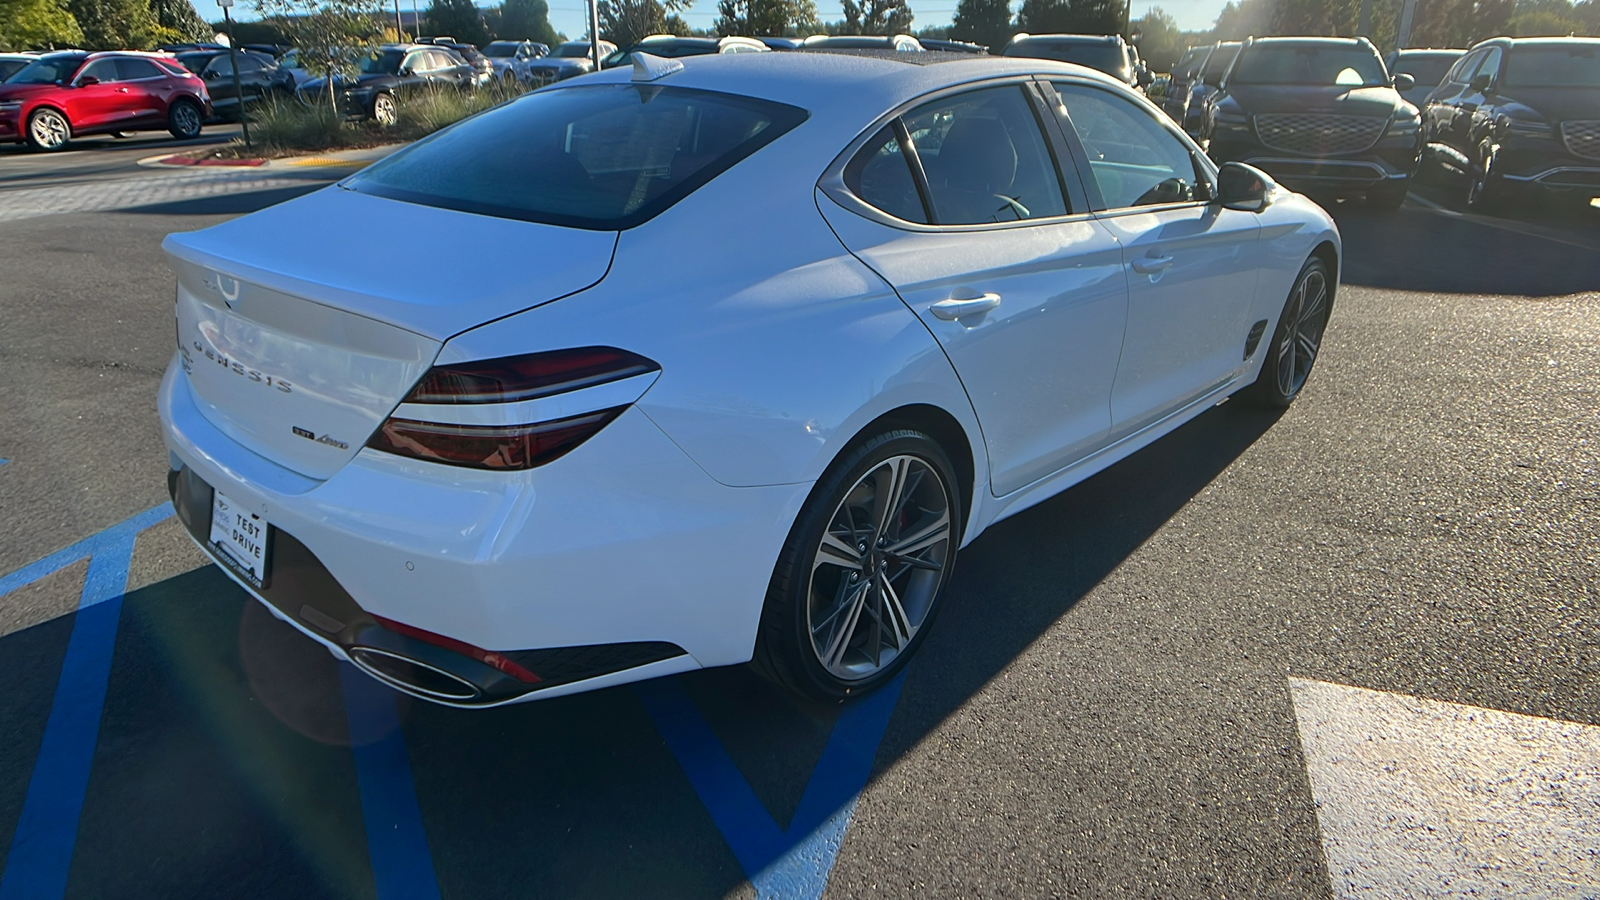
1153, 685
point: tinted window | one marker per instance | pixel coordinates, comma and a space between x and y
1134, 160
103, 69
1310, 64
1425, 69
572, 51
1491, 65
1559, 65
601, 156
130, 69
220, 65
985, 158
381, 62
1217, 64
249, 64
47, 70
880, 175
500, 50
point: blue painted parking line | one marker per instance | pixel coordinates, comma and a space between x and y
41, 848
402, 867
792, 863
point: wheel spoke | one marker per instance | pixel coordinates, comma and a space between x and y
1308, 348
837, 551
839, 642
886, 501
921, 539
899, 622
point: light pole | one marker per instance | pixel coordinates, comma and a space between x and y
233, 62
594, 32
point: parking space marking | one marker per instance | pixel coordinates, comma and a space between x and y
402, 866
790, 863
47, 831
1501, 224
1425, 798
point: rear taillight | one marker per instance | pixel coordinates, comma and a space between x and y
511, 379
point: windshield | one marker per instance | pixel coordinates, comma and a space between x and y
10, 67
500, 51
1310, 64
1217, 63
1108, 58
47, 70
382, 62
1427, 69
194, 62
571, 51
600, 156
1554, 65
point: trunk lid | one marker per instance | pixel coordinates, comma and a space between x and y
299, 336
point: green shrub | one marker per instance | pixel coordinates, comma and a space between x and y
282, 127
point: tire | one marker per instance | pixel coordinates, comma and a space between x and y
48, 130
1297, 341
829, 629
508, 79
384, 110
184, 120
1390, 196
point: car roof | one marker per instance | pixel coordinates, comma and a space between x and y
1068, 38
1428, 51
1536, 41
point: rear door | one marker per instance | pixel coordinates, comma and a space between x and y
1190, 265
959, 204
144, 99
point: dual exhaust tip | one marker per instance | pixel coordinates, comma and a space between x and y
414, 676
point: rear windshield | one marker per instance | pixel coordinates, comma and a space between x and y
572, 51
591, 156
1559, 65
1310, 64
1427, 70
1108, 58
500, 51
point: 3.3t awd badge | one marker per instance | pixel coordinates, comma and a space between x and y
310, 435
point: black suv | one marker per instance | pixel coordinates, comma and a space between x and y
1320, 115
1106, 52
1520, 116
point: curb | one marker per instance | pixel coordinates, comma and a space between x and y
185, 162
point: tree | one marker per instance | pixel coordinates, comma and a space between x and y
877, 17
1071, 16
526, 20
983, 22
117, 24
763, 18
1160, 42
179, 17
626, 22
331, 35
459, 19
37, 24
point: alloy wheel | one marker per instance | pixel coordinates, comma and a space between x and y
49, 129
186, 120
383, 110
879, 567
1302, 338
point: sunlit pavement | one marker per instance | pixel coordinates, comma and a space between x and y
1346, 649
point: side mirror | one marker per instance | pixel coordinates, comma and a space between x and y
87, 81
404, 71
1243, 187
1404, 82
1480, 83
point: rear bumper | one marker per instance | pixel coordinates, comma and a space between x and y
624, 541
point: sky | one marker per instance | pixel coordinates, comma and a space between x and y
568, 16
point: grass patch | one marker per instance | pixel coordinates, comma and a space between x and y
286, 127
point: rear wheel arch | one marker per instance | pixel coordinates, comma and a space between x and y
1326, 252
938, 424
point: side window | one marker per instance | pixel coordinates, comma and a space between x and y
248, 64
1461, 72
438, 60
130, 69
103, 69
416, 62
220, 66
985, 158
1491, 65
1133, 159
880, 176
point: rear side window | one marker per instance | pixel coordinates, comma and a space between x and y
592, 156
130, 69
881, 176
985, 158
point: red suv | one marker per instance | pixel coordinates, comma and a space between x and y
60, 96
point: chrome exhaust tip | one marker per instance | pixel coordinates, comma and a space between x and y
413, 676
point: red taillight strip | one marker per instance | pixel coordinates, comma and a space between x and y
487, 657
496, 447
511, 379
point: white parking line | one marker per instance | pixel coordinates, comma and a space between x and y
1502, 224
1420, 798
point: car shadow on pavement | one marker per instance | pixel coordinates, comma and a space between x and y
1542, 251
222, 765
235, 204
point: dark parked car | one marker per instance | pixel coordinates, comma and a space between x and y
952, 46
481, 65
1105, 52
781, 43
1321, 115
568, 60
1179, 79
12, 63
260, 77
1520, 116
1426, 67
1217, 60
669, 46
60, 96
903, 42
390, 73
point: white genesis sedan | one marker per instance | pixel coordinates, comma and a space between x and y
705, 361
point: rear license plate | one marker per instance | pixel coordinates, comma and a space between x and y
240, 538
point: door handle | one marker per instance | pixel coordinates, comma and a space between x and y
1149, 265
953, 309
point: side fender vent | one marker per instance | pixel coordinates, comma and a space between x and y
1254, 338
